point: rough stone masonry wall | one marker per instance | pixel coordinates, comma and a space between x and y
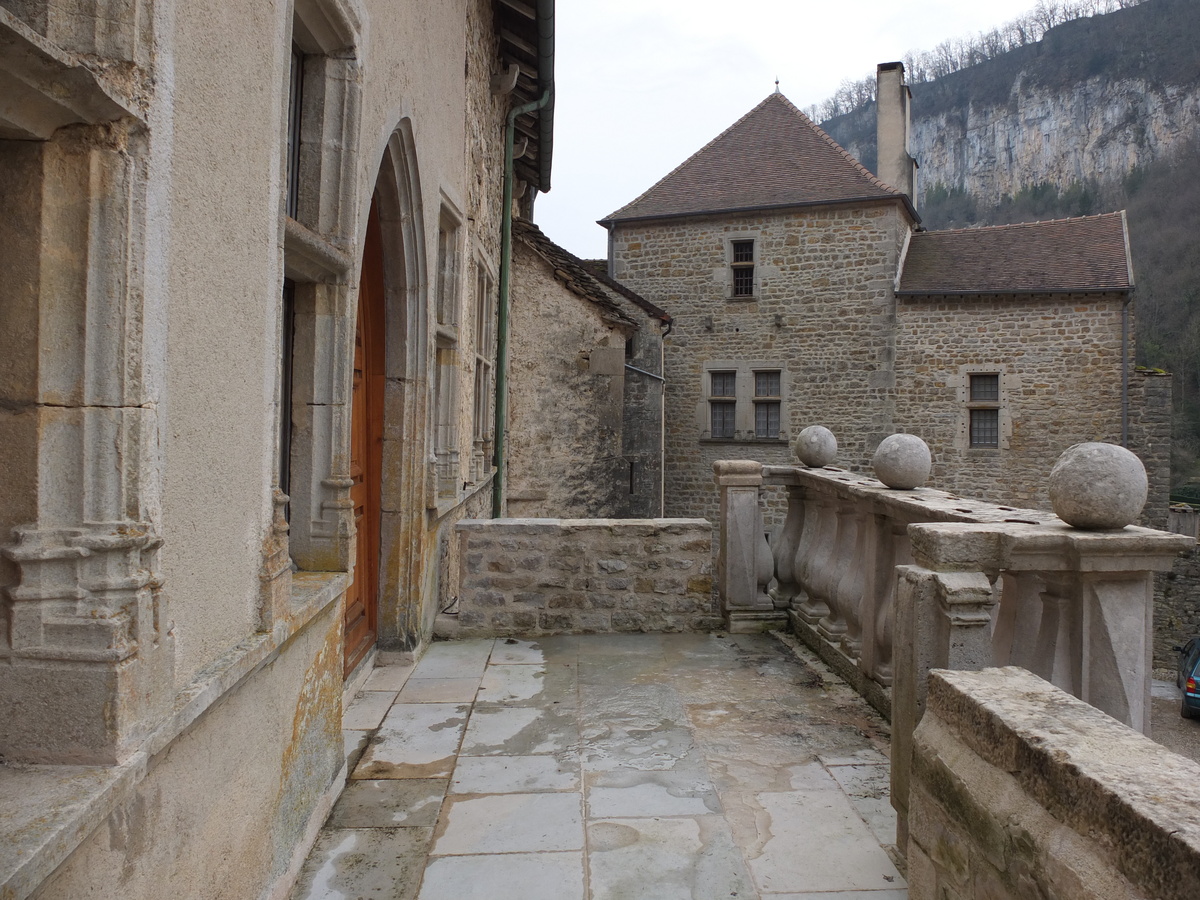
566, 397
1060, 359
584, 576
822, 314
1021, 791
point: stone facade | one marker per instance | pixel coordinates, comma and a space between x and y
872, 325
1021, 791
172, 617
818, 270
585, 423
1059, 361
585, 576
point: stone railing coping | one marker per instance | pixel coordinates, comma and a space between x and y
1109, 783
923, 503
955, 533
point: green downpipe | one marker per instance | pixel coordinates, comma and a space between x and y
502, 316
545, 21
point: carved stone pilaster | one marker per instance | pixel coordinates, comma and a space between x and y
91, 648
275, 579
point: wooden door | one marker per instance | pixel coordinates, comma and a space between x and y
366, 450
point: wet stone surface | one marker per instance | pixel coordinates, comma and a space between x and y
613, 766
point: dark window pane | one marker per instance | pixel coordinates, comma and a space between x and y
743, 282
985, 428
743, 251
724, 384
722, 418
295, 99
985, 387
766, 420
766, 384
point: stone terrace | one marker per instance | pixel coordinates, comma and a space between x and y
610, 766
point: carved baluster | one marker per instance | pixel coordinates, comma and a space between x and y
1057, 653
894, 550
851, 587
816, 542
783, 545
1018, 618
833, 625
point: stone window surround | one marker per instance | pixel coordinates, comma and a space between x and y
966, 404
483, 414
730, 267
316, 534
744, 398
447, 476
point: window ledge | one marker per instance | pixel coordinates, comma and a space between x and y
744, 440
311, 257
48, 811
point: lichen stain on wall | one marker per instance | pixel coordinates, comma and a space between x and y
312, 757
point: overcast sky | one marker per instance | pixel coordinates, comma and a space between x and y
643, 84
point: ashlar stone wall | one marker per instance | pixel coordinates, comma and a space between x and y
1059, 361
1019, 790
584, 576
821, 314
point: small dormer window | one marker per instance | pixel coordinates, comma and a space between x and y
742, 268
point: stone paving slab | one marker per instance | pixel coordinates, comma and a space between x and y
511, 876
691, 766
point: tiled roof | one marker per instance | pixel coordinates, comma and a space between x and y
568, 269
1084, 255
774, 156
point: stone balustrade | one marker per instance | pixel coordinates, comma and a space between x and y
888, 584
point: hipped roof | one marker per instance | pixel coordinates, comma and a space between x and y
772, 157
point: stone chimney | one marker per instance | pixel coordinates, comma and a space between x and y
895, 166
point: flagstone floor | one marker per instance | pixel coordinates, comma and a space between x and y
611, 766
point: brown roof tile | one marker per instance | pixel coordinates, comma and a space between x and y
774, 156
569, 270
1084, 255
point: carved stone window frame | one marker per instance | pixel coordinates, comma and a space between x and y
968, 404
317, 261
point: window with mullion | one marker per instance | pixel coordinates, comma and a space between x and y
767, 404
722, 412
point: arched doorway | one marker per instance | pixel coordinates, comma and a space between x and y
366, 449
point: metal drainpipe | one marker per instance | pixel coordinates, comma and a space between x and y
1125, 372
510, 126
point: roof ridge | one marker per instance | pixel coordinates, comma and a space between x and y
874, 179
977, 228
773, 155
650, 189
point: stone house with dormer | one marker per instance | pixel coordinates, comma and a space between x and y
805, 291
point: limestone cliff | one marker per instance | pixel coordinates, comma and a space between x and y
1094, 99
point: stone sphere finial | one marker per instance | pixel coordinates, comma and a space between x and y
816, 446
1095, 485
902, 461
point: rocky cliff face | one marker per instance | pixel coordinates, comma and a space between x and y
1101, 128
1092, 100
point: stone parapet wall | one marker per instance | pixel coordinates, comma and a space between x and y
1022, 791
582, 576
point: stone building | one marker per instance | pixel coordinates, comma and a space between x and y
243, 401
805, 292
585, 387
